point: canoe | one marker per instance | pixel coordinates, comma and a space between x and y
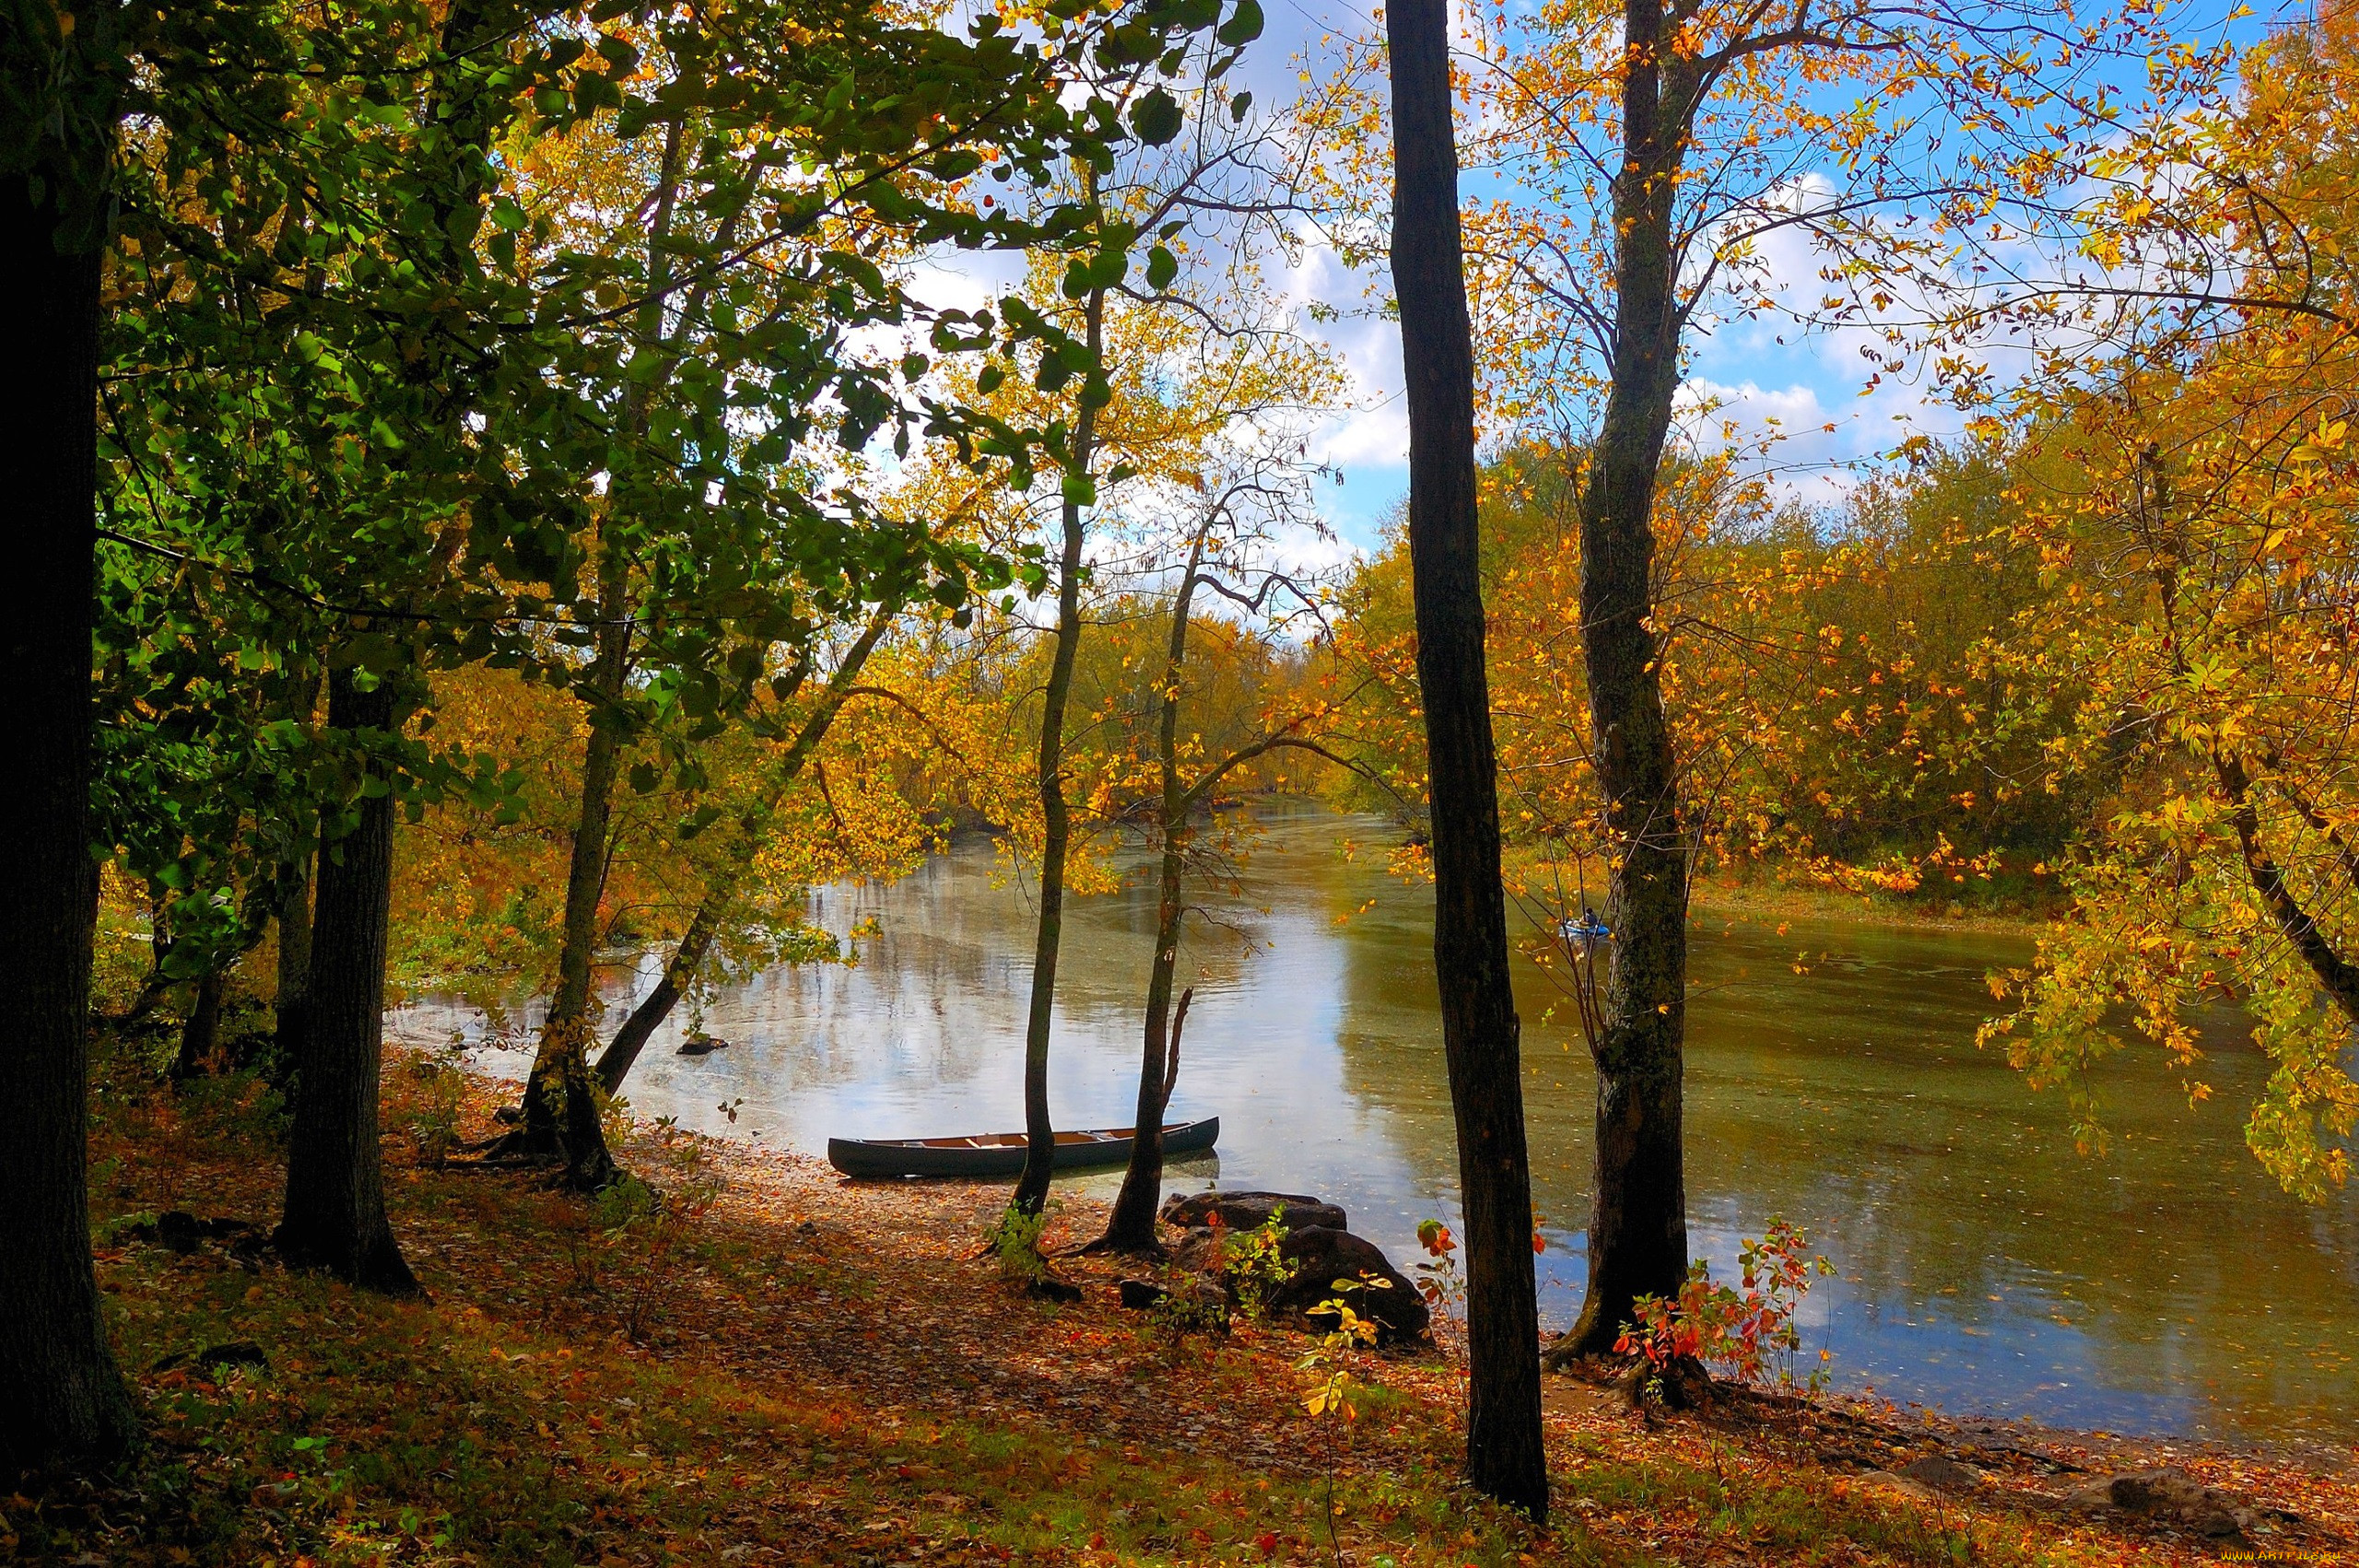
1001, 1153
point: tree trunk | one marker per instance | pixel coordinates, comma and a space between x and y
201, 1036
336, 1199
1131, 1227
1504, 1454
62, 1400
1638, 1231
1056, 819
561, 1113
293, 974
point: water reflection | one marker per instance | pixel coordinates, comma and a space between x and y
1984, 1266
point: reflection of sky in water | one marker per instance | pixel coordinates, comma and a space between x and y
1986, 1267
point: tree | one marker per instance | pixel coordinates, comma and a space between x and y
335, 1216
1184, 782
2188, 486
1651, 154
61, 1395
1504, 1457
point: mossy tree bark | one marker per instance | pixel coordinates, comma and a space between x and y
1504, 1454
61, 1398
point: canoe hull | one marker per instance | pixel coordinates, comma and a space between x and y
1002, 1154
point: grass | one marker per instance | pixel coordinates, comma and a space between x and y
805, 1374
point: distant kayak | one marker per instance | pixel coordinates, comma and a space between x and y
1001, 1153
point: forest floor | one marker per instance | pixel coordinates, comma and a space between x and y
792, 1370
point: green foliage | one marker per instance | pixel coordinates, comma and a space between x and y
1015, 1239
1253, 1265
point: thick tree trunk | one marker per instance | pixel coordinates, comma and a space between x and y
288, 1007
1056, 819
1480, 1031
201, 1034
680, 971
336, 1199
1638, 1231
62, 1400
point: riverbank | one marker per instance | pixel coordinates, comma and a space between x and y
1764, 901
802, 1372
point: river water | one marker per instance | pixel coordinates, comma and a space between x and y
1985, 1268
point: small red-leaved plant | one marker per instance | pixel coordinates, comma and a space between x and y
1747, 1334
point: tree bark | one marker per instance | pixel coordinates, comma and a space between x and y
61, 1398
293, 973
1131, 1227
1480, 1032
335, 1216
680, 970
562, 1112
1056, 819
201, 1034
1638, 1231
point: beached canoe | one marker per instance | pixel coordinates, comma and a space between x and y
1001, 1153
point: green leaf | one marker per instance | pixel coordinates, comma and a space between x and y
1244, 24
1156, 117
1241, 105
1162, 266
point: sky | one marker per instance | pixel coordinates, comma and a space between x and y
1755, 371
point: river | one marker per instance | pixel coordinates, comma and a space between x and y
2168, 1288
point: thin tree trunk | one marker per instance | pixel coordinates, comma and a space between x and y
1131, 1227
1056, 819
561, 1113
562, 1110
1504, 1452
158, 984
62, 1400
1638, 1231
336, 1199
680, 971
290, 1004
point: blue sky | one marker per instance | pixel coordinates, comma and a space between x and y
1803, 381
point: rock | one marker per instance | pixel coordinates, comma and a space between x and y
236, 1352
2170, 1496
181, 1231
1139, 1295
1323, 1254
702, 1045
1685, 1384
1047, 1287
1892, 1485
178, 1229
1250, 1211
1943, 1474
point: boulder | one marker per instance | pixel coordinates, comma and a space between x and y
2171, 1496
1323, 1254
1943, 1474
1250, 1211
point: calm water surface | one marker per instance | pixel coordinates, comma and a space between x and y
1985, 1268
